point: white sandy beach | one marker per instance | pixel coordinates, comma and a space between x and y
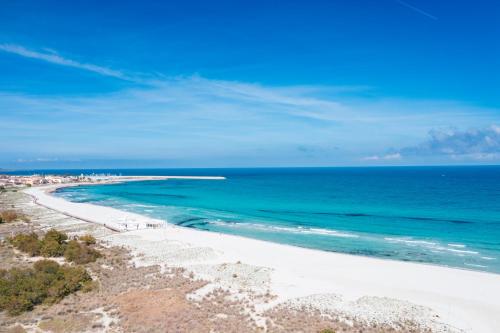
444, 299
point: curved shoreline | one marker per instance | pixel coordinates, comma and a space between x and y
462, 298
145, 178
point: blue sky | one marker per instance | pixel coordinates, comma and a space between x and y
260, 83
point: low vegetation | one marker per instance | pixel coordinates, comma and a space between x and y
80, 253
11, 215
56, 244
46, 283
87, 239
28, 243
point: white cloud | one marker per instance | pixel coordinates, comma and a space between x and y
38, 159
199, 117
473, 145
387, 157
396, 156
477, 143
180, 116
52, 57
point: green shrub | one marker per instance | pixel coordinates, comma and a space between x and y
55, 244
80, 254
28, 243
327, 330
51, 248
46, 266
47, 282
54, 235
87, 239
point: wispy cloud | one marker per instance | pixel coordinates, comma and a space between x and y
205, 119
416, 9
38, 159
53, 57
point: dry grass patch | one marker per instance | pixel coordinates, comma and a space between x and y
307, 320
11, 215
70, 323
16, 329
87, 239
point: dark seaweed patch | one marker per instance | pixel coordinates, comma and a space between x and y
417, 218
188, 220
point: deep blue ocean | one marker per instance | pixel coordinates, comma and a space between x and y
439, 215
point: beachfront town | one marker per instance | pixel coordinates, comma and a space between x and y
33, 180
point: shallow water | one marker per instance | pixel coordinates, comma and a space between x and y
442, 215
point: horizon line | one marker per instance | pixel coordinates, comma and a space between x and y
262, 167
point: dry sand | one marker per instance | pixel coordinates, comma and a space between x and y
366, 289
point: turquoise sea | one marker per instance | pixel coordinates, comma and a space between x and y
439, 215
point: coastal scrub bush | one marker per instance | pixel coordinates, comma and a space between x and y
54, 235
53, 244
51, 248
80, 253
87, 239
47, 282
28, 243
56, 244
